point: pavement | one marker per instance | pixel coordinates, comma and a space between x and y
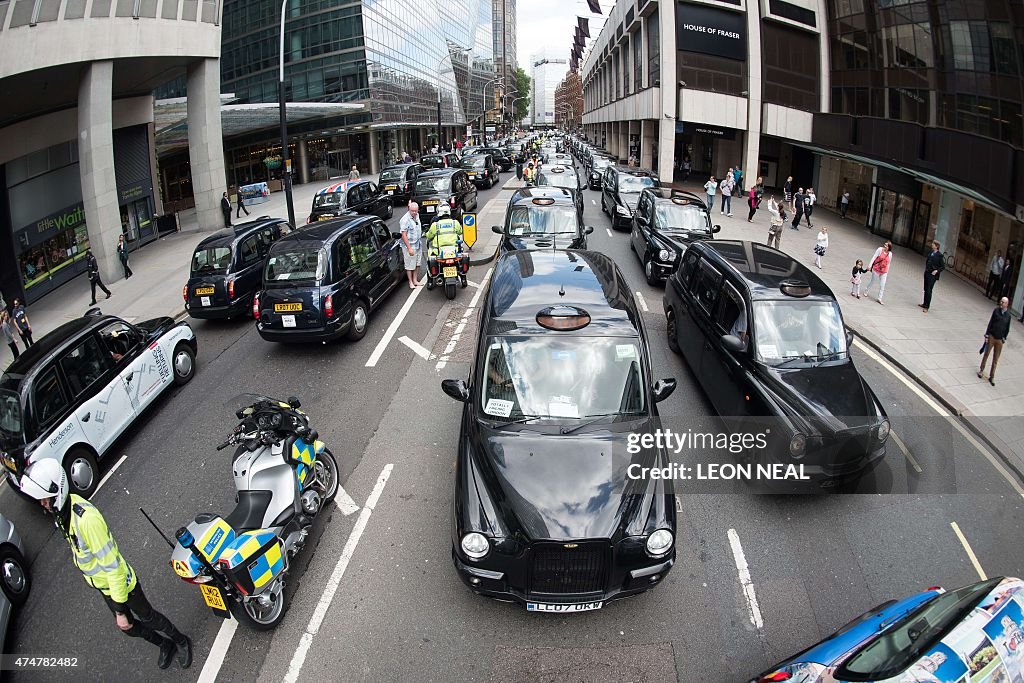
939, 349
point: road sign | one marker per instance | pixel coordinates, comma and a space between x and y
469, 229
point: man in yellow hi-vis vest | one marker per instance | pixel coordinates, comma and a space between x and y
96, 555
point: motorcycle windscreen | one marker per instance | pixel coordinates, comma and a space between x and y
254, 560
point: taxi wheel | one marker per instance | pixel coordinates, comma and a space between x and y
360, 318
14, 577
673, 339
184, 364
83, 471
652, 279
391, 210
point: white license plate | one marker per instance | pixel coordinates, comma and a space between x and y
204, 300
288, 320
430, 209
390, 192
574, 607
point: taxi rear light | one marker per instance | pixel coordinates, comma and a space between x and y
329, 306
231, 289
777, 676
256, 306
184, 293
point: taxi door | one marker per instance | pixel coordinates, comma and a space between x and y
722, 372
142, 367
102, 405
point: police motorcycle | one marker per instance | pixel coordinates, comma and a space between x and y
447, 265
284, 476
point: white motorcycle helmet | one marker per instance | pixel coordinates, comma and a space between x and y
444, 211
46, 479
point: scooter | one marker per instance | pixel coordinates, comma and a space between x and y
284, 476
446, 267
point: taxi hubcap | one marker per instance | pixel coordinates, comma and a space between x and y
359, 318
183, 364
81, 474
14, 576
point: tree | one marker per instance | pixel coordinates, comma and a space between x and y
522, 107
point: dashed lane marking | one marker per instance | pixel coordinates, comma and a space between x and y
970, 552
345, 502
450, 348
609, 231
744, 575
417, 348
211, 668
393, 327
109, 474
643, 303
906, 453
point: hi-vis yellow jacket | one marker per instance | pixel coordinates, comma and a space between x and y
96, 554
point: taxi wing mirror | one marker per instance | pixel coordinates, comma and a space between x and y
589, 229
456, 388
733, 343
717, 228
496, 229
663, 388
849, 340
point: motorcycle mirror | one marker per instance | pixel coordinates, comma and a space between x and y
294, 402
240, 413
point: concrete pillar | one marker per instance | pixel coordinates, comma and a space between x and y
374, 163
624, 140
96, 166
649, 144
669, 90
206, 142
752, 141
303, 162
158, 204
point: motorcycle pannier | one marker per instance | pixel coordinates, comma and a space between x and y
253, 561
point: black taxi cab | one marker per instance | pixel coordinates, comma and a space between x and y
620, 192
324, 281
545, 512
227, 268
542, 218
665, 223
558, 175
765, 338
398, 180
441, 160
70, 395
451, 186
349, 198
481, 169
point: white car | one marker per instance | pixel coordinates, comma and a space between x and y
75, 391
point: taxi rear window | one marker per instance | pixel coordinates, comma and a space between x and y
211, 260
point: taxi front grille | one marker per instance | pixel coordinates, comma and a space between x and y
556, 569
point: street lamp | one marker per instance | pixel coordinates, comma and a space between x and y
284, 127
446, 55
483, 114
504, 94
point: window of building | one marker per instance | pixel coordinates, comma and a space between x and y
638, 59
851, 51
791, 66
907, 104
653, 51
625, 68
712, 73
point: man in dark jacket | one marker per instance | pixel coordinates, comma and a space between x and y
995, 336
933, 267
225, 208
798, 208
93, 269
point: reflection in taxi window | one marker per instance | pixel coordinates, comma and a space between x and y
787, 330
548, 220
670, 217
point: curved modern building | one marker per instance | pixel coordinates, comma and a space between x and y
77, 163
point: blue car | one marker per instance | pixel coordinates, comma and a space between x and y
974, 633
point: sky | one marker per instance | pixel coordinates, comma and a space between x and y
550, 25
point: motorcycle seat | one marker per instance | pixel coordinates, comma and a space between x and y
248, 513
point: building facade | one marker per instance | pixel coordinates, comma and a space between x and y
505, 22
913, 107
77, 159
546, 73
569, 101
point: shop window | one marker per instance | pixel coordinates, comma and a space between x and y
712, 73
791, 66
638, 59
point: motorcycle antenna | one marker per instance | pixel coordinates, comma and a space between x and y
162, 535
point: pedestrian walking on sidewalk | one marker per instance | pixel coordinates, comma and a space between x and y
710, 188
93, 268
240, 205
754, 200
225, 208
7, 328
778, 212
933, 267
354, 173
22, 323
737, 176
787, 192
686, 169
809, 199
844, 203
995, 273
995, 336
726, 187
798, 208
122, 254
879, 268
820, 245
858, 270
1006, 278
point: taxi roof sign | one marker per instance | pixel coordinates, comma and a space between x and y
563, 318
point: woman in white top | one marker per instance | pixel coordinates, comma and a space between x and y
710, 187
820, 245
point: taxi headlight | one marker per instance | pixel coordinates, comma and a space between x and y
475, 545
883, 431
622, 209
798, 445
665, 255
659, 543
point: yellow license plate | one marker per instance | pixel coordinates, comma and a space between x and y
430, 203
472, 174
391, 187
213, 597
450, 271
325, 218
200, 291
284, 308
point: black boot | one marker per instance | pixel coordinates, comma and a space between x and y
167, 650
185, 652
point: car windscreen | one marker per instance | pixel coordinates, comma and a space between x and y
798, 331
559, 180
473, 162
561, 377
600, 163
211, 260
296, 264
432, 160
525, 221
391, 174
329, 200
902, 644
10, 416
680, 218
433, 185
634, 183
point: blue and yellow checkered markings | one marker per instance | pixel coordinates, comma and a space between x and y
245, 546
269, 565
304, 454
216, 538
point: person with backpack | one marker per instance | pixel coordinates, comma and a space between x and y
809, 199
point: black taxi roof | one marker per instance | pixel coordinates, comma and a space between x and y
526, 195
321, 231
526, 282
439, 172
226, 236
761, 269
634, 170
400, 167
31, 358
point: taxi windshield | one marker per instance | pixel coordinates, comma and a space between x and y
634, 183
560, 179
211, 260
391, 174
10, 415
788, 332
329, 200
542, 220
551, 377
473, 162
433, 185
432, 160
903, 644
295, 265
672, 217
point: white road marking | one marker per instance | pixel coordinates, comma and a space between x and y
745, 582
417, 348
393, 327
609, 231
211, 668
450, 348
903, 447
345, 502
998, 466
593, 202
317, 620
112, 470
679, 504
473, 284
970, 553
640, 300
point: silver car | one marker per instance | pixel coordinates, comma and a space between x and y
14, 578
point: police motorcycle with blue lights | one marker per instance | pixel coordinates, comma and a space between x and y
447, 262
284, 476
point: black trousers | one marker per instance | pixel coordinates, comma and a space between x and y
97, 283
753, 210
227, 218
807, 214
929, 285
127, 270
842, 208
993, 285
796, 219
26, 337
146, 622
241, 207
14, 348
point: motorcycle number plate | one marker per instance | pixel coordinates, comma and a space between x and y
450, 271
213, 597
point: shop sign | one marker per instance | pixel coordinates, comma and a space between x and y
65, 219
711, 31
131, 194
714, 131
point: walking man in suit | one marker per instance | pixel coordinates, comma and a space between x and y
933, 267
94, 276
995, 336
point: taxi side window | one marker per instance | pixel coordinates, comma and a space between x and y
83, 365
370, 189
731, 317
706, 286
382, 233
264, 238
353, 198
685, 272
48, 397
360, 248
248, 251
119, 339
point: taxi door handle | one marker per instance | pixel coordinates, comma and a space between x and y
87, 416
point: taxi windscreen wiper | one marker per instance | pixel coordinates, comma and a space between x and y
597, 418
804, 358
519, 420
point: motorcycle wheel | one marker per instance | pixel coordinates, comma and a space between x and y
261, 619
449, 291
327, 467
